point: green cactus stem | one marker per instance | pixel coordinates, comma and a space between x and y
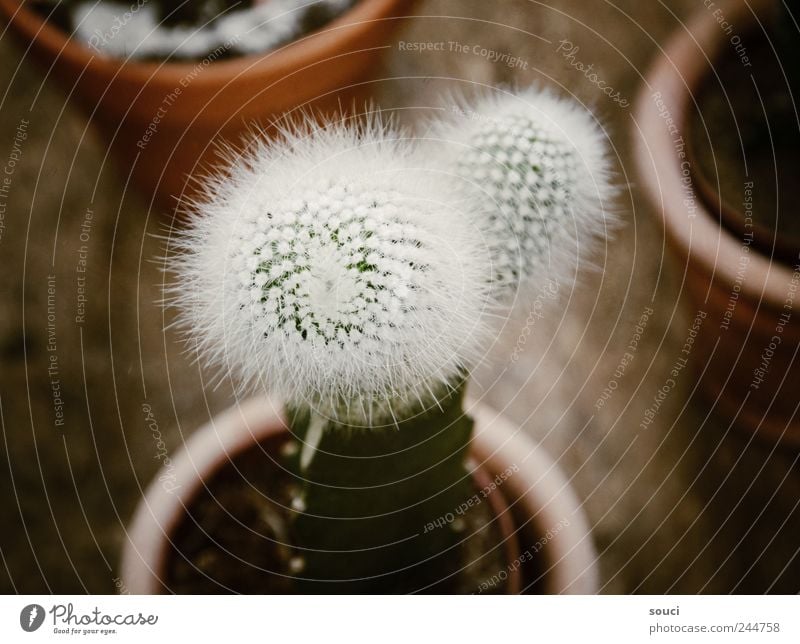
370, 517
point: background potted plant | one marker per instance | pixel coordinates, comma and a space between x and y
164, 82
354, 275
716, 141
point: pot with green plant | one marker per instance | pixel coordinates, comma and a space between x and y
164, 81
716, 140
353, 275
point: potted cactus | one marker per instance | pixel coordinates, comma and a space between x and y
353, 274
163, 83
160, 30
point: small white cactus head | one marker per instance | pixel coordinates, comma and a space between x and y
539, 164
336, 272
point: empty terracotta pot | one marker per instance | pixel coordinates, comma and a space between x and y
538, 514
161, 118
745, 353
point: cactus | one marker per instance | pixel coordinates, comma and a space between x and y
538, 163
369, 495
335, 270
343, 270
159, 29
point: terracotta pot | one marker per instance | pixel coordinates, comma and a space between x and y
162, 119
538, 495
784, 245
743, 293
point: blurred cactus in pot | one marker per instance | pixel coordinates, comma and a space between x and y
157, 29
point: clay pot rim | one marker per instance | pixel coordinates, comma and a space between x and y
677, 73
570, 559
321, 44
544, 493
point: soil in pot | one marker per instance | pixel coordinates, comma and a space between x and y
236, 533
744, 135
156, 31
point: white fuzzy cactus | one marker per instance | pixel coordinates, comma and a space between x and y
336, 271
540, 166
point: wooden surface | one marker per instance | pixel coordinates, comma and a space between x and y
685, 505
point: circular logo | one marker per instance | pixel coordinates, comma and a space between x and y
31, 617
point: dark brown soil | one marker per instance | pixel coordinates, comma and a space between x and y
236, 537
746, 131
